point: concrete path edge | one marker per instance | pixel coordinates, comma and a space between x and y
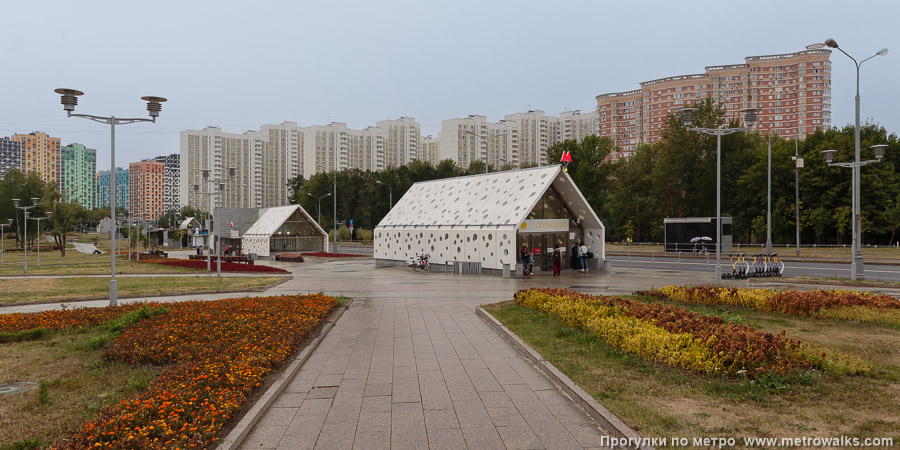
594, 409
240, 431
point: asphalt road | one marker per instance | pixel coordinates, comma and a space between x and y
792, 269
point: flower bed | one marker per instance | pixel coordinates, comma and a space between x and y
680, 338
226, 266
333, 255
215, 354
840, 304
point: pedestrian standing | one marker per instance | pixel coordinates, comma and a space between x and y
574, 260
556, 256
582, 252
525, 253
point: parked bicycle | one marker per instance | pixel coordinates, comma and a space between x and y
419, 262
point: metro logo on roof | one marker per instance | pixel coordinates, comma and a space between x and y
566, 157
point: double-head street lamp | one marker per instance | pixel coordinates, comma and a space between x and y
856, 266
390, 194
335, 202
38, 220
154, 106
486, 149
2, 237
34, 202
320, 204
687, 117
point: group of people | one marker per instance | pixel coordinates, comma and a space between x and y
578, 261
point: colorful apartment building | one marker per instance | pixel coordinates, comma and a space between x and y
78, 180
122, 189
172, 201
39, 153
147, 189
791, 91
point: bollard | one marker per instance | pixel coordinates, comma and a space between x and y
814, 251
629, 255
652, 255
679, 256
707, 260
876, 252
843, 247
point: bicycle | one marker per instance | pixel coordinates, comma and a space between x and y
418, 262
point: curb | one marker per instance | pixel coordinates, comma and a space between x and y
240, 431
594, 409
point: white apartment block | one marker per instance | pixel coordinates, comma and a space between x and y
538, 132
401, 141
430, 149
474, 138
576, 126
336, 147
280, 160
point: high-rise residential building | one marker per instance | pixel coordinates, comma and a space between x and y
10, 156
537, 133
281, 160
791, 91
575, 126
473, 138
401, 141
122, 189
430, 149
336, 147
172, 200
78, 180
147, 180
40, 153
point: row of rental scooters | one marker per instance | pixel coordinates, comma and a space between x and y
762, 265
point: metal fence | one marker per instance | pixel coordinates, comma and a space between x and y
873, 253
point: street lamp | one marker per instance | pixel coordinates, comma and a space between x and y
856, 266
486, 148
210, 237
390, 194
2, 238
319, 210
34, 202
857, 261
38, 220
335, 249
769, 197
687, 117
69, 98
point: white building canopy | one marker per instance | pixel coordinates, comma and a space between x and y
189, 223
446, 217
288, 228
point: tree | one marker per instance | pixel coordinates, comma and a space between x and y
24, 187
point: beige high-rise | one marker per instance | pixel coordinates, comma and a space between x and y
473, 138
792, 92
401, 141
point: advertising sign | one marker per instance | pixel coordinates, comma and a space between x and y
544, 226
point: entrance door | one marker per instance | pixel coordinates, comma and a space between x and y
550, 242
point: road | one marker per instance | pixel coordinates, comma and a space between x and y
792, 268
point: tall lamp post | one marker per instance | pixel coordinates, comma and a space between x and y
2, 238
319, 210
688, 120
335, 202
486, 149
769, 197
856, 266
38, 220
220, 190
34, 202
390, 194
154, 106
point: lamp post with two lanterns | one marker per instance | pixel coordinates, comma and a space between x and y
320, 204
34, 202
687, 117
856, 266
69, 98
38, 220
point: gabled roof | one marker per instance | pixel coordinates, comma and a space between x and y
271, 219
500, 199
186, 223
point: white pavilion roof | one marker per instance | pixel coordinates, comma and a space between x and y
499, 199
270, 219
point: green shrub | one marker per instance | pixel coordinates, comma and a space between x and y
24, 335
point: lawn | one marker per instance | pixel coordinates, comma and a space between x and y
43, 290
662, 401
145, 375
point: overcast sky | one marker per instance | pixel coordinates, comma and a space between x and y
239, 65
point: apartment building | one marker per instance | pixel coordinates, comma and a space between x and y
78, 175
336, 147
172, 183
39, 153
469, 139
147, 180
430, 149
401, 141
122, 189
573, 125
10, 156
281, 160
537, 133
791, 91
